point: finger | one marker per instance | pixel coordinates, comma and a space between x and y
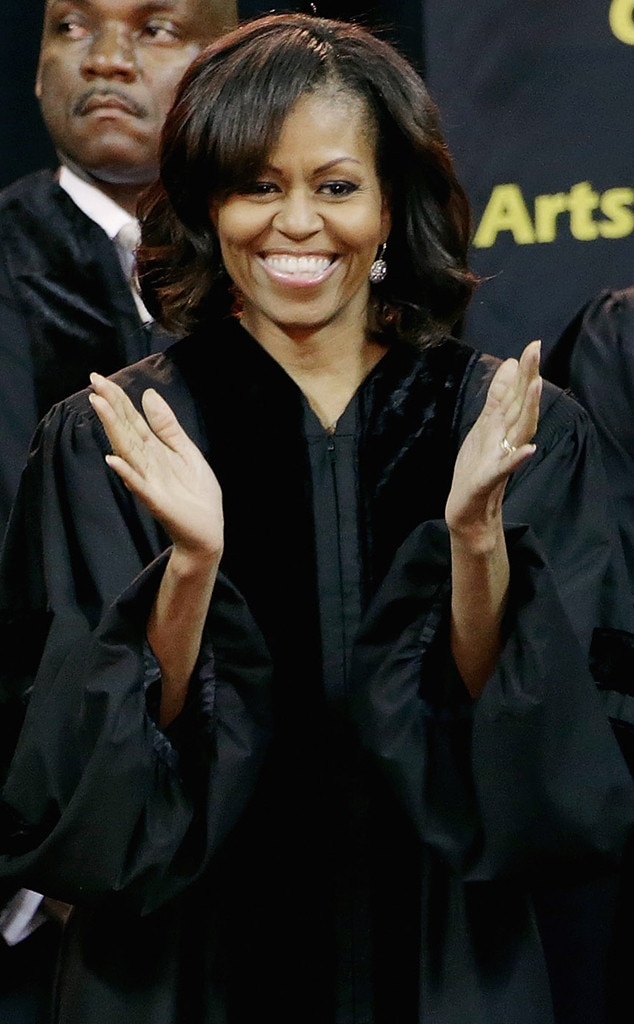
124, 441
530, 357
498, 395
522, 412
125, 428
155, 499
133, 480
528, 419
112, 392
121, 406
163, 422
528, 368
513, 379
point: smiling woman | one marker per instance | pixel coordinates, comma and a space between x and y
317, 591
299, 242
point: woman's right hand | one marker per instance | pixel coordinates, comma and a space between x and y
162, 466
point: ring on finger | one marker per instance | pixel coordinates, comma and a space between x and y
507, 447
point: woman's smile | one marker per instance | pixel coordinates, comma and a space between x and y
298, 242
298, 270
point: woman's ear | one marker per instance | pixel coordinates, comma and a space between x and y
386, 216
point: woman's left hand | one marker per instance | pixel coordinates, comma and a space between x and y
498, 442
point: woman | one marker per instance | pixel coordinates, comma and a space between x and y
312, 723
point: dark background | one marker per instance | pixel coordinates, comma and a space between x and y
534, 93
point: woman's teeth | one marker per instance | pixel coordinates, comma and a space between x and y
306, 265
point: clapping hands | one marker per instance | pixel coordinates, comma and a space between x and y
496, 445
160, 464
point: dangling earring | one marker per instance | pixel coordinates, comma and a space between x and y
378, 270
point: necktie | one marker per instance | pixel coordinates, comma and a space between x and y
126, 241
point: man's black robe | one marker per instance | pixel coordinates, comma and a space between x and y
205, 862
594, 357
65, 309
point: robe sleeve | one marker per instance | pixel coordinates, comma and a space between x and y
530, 775
18, 415
97, 799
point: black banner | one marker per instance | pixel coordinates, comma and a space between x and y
538, 106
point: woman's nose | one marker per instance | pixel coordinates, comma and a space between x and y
298, 216
112, 54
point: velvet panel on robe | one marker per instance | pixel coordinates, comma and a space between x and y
200, 859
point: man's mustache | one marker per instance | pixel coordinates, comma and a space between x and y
121, 100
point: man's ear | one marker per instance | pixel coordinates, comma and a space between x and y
38, 82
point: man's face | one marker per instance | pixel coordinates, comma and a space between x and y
107, 75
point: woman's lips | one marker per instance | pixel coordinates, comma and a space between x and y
298, 269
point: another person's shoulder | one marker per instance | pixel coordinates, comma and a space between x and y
39, 223
617, 304
27, 195
608, 322
599, 337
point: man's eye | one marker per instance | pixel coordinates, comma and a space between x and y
161, 32
72, 28
338, 189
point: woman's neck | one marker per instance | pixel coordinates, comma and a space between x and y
328, 366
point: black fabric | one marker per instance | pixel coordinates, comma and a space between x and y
26, 976
594, 357
203, 863
65, 309
334, 497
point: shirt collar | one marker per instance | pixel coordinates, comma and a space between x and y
94, 203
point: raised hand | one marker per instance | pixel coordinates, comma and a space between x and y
498, 442
160, 464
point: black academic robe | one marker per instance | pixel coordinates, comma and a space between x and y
215, 866
65, 309
595, 359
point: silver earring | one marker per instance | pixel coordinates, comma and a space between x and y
378, 270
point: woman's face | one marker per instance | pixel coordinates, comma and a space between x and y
299, 241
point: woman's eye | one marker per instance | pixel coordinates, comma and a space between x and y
338, 189
260, 188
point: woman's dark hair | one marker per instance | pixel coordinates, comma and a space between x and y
226, 119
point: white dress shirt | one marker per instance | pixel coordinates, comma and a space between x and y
119, 225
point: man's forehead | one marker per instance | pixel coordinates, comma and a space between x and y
201, 7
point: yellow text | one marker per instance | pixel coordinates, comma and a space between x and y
622, 20
583, 212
